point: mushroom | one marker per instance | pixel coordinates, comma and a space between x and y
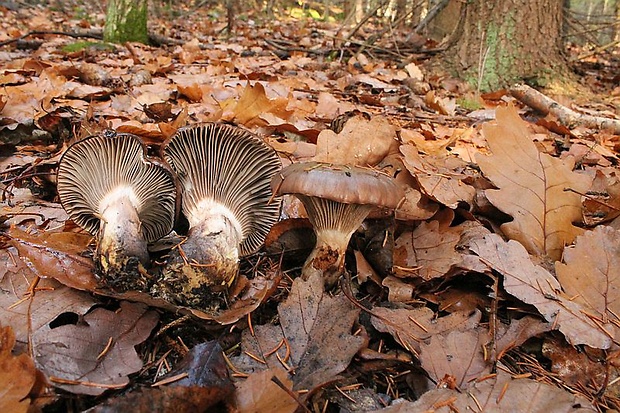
110, 188
224, 174
337, 200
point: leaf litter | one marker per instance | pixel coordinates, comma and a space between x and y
503, 280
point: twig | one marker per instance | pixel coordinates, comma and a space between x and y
598, 50
365, 19
566, 116
430, 16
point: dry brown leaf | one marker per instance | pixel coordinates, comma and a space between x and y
534, 285
398, 290
532, 187
310, 318
258, 393
497, 395
591, 274
518, 332
427, 252
254, 102
28, 314
432, 146
97, 353
440, 177
192, 92
458, 354
57, 255
415, 206
362, 142
412, 327
603, 204
17, 375
205, 384
445, 106
575, 366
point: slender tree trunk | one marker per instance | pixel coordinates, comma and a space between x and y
126, 21
501, 42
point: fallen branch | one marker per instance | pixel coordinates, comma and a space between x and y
92, 35
566, 116
154, 39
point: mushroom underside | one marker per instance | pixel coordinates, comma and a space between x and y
110, 188
224, 174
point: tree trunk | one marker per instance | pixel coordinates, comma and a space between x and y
126, 21
500, 42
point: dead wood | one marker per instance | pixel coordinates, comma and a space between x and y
566, 116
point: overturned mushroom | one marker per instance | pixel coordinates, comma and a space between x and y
224, 173
110, 188
337, 200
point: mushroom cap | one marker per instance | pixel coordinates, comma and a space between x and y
339, 183
228, 168
107, 165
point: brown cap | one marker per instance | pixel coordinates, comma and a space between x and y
339, 183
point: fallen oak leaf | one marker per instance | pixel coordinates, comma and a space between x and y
413, 327
534, 285
427, 252
309, 318
56, 255
440, 176
498, 394
98, 353
458, 354
361, 142
198, 382
591, 274
260, 393
532, 187
253, 102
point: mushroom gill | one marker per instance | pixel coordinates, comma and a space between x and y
224, 174
110, 188
337, 199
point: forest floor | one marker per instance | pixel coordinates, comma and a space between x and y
494, 286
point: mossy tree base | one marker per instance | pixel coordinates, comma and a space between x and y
126, 21
501, 42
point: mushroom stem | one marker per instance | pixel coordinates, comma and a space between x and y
327, 257
120, 244
334, 223
208, 259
